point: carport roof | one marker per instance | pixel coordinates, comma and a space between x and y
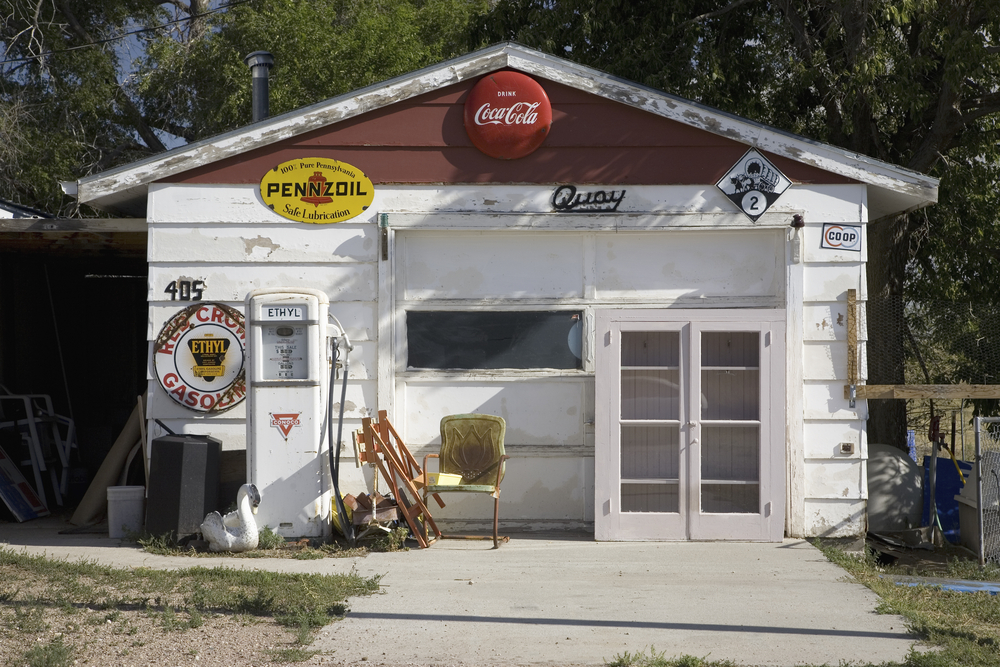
892, 189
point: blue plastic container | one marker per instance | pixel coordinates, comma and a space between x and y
948, 486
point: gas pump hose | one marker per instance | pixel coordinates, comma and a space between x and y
345, 523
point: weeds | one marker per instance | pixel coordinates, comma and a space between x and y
654, 659
964, 628
291, 654
53, 654
394, 540
177, 600
268, 539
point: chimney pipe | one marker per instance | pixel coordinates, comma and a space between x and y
260, 62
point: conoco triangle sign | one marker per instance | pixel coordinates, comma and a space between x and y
285, 422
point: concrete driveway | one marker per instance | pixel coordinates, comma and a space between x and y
556, 601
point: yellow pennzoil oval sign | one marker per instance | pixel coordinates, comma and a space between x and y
317, 190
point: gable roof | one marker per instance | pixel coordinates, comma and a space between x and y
892, 189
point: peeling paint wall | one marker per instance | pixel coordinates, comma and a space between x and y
833, 482
502, 247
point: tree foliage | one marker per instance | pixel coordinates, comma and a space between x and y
63, 107
322, 48
912, 82
86, 86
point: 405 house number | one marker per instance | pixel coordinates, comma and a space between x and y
185, 290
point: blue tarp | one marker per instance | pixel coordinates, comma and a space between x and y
948, 486
959, 585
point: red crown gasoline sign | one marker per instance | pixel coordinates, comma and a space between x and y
507, 115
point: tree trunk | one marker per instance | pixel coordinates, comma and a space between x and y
888, 252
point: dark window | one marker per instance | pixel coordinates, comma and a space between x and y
470, 340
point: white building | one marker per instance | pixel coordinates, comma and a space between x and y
669, 354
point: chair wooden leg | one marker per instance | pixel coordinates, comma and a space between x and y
496, 521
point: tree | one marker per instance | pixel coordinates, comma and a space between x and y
91, 85
200, 87
911, 82
71, 113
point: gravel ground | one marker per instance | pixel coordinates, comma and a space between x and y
126, 638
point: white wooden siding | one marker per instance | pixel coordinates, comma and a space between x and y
825, 321
537, 411
654, 267
224, 237
358, 317
841, 517
174, 203
229, 244
825, 360
232, 282
666, 246
834, 484
471, 265
822, 440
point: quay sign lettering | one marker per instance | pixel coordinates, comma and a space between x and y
316, 190
198, 357
507, 115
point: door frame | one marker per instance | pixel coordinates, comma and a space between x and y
690, 525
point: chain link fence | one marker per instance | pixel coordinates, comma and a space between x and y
929, 342
986, 493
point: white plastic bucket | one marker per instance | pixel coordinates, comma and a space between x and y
125, 509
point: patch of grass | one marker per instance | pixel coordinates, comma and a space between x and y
54, 654
162, 545
391, 541
654, 659
177, 599
309, 554
296, 654
30, 619
268, 539
963, 628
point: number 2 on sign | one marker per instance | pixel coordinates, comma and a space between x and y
185, 290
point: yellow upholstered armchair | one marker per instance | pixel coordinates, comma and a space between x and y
472, 460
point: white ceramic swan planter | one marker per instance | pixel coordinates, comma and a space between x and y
237, 531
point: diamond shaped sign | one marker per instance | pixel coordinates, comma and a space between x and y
753, 184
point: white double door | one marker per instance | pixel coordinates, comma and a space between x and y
689, 425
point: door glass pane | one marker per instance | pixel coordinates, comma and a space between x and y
650, 375
650, 452
650, 498
730, 375
651, 348
730, 469
730, 498
650, 390
730, 452
650, 395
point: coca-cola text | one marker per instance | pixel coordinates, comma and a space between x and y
520, 113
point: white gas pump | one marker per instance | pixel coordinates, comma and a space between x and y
288, 367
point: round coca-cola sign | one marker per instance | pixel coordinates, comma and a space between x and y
507, 115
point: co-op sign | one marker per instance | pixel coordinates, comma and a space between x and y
841, 237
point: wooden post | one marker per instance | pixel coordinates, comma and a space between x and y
852, 336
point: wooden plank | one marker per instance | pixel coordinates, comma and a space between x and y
69, 225
852, 336
939, 391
